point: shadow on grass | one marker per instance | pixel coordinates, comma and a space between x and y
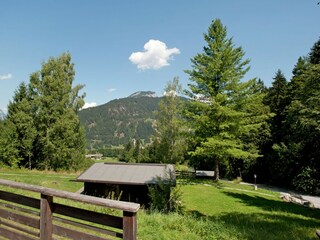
275, 205
281, 220
264, 226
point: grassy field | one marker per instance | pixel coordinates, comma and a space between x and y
212, 211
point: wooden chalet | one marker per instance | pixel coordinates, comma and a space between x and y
124, 181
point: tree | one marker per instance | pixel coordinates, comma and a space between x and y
277, 100
60, 138
9, 153
217, 112
303, 118
20, 114
297, 161
295, 86
254, 130
171, 145
314, 55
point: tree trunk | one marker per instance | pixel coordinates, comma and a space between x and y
29, 162
216, 169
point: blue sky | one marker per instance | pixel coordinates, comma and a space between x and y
159, 37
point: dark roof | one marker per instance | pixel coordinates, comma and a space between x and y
127, 173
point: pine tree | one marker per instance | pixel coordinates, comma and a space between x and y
314, 55
9, 151
277, 100
216, 111
20, 114
297, 155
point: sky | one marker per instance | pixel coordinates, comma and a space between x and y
123, 46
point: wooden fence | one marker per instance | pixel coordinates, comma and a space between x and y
27, 218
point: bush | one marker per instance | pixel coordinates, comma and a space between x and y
165, 196
307, 181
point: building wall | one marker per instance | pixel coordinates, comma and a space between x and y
130, 193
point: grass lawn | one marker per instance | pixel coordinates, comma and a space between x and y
231, 211
212, 211
62, 181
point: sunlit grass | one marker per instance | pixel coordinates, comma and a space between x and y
223, 210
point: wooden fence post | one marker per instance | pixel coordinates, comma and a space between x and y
46, 217
129, 225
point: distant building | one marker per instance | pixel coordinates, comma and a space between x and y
96, 156
204, 173
124, 181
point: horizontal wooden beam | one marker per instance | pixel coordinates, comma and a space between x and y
85, 227
124, 206
74, 234
90, 216
11, 234
19, 218
20, 199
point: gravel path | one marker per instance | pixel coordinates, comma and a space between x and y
312, 199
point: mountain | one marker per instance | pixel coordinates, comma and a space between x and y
120, 120
143, 94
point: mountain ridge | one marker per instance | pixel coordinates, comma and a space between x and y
120, 120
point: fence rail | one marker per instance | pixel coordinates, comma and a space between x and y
23, 217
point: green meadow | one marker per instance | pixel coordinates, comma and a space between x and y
223, 210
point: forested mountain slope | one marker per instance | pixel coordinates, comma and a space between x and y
120, 120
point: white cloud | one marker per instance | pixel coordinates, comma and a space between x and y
111, 89
89, 105
156, 55
6, 77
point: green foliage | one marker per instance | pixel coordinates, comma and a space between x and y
165, 196
225, 115
42, 125
169, 126
119, 121
134, 151
109, 151
314, 55
9, 153
21, 115
60, 138
292, 157
307, 181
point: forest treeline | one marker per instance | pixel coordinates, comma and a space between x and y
228, 124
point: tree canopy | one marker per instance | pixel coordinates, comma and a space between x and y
42, 119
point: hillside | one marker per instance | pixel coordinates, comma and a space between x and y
120, 120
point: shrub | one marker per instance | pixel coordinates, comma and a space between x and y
307, 181
165, 196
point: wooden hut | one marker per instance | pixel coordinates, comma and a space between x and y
124, 181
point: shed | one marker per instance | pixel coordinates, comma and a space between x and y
204, 173
124, 181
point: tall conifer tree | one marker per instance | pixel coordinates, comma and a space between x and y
217, 110
20, 114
